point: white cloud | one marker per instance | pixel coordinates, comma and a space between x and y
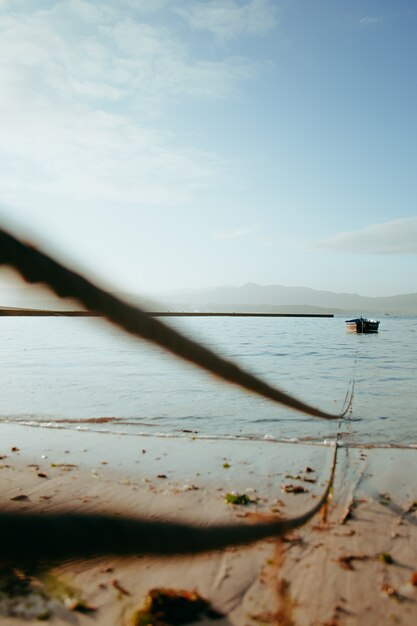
228, 19
83, 87
233, 234
146, 6
393, 237
370, 20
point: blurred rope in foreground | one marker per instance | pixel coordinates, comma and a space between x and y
60, 536
36, 267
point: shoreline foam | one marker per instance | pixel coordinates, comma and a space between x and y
89, 425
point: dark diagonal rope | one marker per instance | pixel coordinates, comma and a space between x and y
60, 536
40, 536
37, 267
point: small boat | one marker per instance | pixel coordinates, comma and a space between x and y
362, 325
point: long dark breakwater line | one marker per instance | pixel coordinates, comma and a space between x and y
17, 312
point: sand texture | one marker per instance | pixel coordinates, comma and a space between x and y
357, 566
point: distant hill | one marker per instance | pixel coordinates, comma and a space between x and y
249, 298
280, 299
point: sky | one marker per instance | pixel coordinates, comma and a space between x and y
157, 145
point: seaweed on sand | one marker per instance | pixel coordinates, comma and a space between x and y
166, 607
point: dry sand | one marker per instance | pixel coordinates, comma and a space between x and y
357, 568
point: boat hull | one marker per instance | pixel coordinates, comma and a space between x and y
362, 326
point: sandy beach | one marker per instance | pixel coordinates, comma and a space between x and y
358, 566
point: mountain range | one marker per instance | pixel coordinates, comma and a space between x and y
280, 299
250, 297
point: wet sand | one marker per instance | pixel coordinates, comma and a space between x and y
358, 566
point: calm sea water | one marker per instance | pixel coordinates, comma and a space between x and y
67, 372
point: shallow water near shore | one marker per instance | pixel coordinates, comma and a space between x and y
84, 374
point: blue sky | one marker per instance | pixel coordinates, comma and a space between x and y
161, 145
